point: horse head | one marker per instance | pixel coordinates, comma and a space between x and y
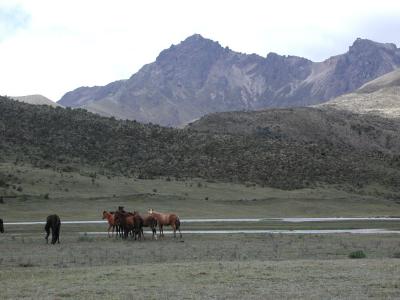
104, 215
1, 226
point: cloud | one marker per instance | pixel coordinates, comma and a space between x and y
12, 18
65, 44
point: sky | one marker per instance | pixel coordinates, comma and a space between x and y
50, 47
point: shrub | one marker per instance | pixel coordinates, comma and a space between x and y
396, 255
357, 254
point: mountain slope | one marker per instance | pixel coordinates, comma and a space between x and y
279, 148
36, 99
380, 96
198, 76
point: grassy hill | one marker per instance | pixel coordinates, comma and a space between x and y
293, 148
380, 97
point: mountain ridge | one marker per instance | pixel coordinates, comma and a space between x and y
198, 76
36, 99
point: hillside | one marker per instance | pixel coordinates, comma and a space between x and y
198, 76
36, 99
380, 96
279, 151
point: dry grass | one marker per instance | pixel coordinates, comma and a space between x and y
201, 267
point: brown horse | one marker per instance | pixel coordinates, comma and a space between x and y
110, 216
1, 226
149, 221
166, 219
130, 222
53, 222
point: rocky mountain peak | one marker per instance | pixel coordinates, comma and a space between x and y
364, 45
190, 47
198, 76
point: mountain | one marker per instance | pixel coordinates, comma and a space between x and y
283, 148
35, 99
380, 96
198, 76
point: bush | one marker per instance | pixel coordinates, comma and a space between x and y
396, 255
357, 254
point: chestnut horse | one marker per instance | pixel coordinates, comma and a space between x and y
166, 219
110, 216
130, 223
1, 226
149, 221
53, 222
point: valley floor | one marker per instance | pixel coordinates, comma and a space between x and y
201, 267
223, 266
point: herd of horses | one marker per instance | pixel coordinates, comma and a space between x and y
125, 223
122, 222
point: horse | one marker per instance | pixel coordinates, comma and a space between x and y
53, 222
166, 219
149, 221
130, 222
1, 226
110, 216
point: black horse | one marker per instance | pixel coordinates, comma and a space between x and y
53, 222
1, 226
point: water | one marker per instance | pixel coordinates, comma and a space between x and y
289, 220
262, 231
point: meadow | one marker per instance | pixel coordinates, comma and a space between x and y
234, 266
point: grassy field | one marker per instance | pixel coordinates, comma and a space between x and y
216, 267
78, 196
263, 266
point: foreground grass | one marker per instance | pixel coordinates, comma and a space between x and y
340, 279
201, 267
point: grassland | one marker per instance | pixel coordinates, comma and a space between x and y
79, 196
263, 266
201, 267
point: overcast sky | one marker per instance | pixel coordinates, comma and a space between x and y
50, 47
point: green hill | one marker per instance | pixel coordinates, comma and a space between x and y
281, 151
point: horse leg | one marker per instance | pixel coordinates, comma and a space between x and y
108, 231
47, 235
58, 233
174, 229
53, 235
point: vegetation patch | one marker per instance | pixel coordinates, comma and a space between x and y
357, 254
